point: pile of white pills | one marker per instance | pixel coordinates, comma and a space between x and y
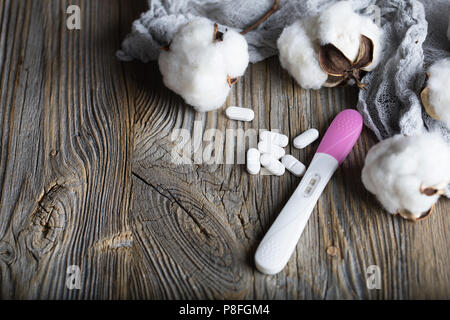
270, 153
271, 145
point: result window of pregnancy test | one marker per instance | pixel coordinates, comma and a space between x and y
311, 185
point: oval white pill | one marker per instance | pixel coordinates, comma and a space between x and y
253, 164
241, 114
265, 146
293, 165
274, 137
306, 138
272, 165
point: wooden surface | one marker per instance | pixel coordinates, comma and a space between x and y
86, 179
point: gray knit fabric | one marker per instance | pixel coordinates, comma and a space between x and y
391, 103
156, 27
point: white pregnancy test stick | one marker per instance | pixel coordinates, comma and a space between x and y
280, 241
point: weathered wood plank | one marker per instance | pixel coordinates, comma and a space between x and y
87, 177
66, 151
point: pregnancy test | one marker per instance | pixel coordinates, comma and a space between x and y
280, 241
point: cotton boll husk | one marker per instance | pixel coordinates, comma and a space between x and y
398, 168
298, 53
234, 48
341, 26
439, 89
197, 66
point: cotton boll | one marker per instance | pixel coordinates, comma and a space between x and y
402, 170
298, 54
338, 25
439, 94
197, 66
341, 26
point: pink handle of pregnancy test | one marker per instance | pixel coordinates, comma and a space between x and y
342, 134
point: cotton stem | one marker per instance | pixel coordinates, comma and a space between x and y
262, 19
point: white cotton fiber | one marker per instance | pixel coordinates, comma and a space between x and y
298, 54
197, 66
398, 168
439, 89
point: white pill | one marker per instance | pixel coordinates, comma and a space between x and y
265, 146
306, 138
241, 114
275, 137
253, 164
293, 165
273, 165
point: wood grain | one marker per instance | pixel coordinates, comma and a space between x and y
66, 151
87, 178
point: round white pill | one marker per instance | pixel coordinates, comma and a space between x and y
241, 114
265, 146
293, 165
276, 138
272, 165
306, 138
253, 164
